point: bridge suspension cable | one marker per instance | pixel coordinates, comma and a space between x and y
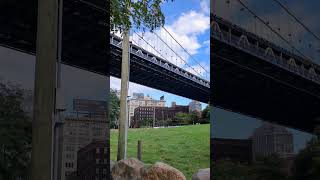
185, 50
141, 37
165, 42
297, 19
274, 31
179, 55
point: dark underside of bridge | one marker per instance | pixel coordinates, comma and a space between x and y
247, 85
85, 44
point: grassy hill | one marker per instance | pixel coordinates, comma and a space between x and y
186, 148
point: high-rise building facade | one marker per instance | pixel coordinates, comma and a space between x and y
139, 99
92, 162
195, 106
272, 139
77, 133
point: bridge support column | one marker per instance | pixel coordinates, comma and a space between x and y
123, 121
44, 90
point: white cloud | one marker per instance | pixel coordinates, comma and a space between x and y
115, 83
191, 23
204, 5
186, 30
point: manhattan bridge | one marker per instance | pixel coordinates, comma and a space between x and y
258, 68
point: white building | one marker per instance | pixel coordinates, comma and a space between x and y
140, 100
272, 139
195, 106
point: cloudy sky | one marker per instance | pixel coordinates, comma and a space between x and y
232, 125
270, 11
188, 21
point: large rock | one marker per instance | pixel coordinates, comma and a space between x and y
202, 174
128, 169
111, 165
161, 171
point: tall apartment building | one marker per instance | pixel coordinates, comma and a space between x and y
195, 106
77, 133
92, 162
272, 139
139, 99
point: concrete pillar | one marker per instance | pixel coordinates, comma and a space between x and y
45, 81
123, 121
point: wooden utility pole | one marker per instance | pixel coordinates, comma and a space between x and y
154, 117
44, 90
139, 150
123, 121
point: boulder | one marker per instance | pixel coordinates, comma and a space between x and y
127, 169
111, 165
162, 171
202, 174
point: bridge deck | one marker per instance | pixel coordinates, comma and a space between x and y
85, 45
247, 84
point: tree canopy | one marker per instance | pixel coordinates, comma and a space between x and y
145, 14
15, 133
114, 108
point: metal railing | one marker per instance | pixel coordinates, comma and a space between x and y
140, 52
268, 55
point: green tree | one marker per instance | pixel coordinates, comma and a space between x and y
125, 14
205, 115
228, 170
194, 117
307, 163
146, 123
15, 134
145, 14
268, 168
183, 118
114, 108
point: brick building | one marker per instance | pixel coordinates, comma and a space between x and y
156, 116
139, 99
92, 162
77, 133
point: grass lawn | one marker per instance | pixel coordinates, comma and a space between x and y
186, 148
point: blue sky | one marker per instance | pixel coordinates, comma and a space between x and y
188, 21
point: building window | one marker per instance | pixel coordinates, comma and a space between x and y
97, 150
69, 165
97, 170
97, 161
104, 171
69, 156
